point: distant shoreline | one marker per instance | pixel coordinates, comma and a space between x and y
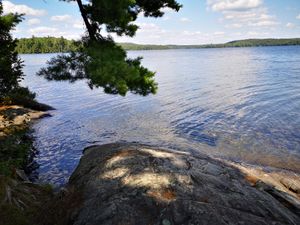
172, 49
232, 44
37, 45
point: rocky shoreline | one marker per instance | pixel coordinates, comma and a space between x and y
20, 199
137, 184
126, 183
16, 117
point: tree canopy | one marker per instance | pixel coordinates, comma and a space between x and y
10, 64
45, 45
117, 16
99, 59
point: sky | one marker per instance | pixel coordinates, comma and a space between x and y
198, 22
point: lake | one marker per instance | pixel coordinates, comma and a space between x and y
241, 104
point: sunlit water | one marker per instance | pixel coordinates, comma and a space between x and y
242, 104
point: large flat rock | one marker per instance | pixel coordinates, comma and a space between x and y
135, 184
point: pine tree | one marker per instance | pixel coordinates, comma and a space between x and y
100, 60
10, 64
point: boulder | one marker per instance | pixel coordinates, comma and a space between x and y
137, 184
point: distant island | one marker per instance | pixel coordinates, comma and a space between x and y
55, 45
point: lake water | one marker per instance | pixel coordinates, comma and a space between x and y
241, 104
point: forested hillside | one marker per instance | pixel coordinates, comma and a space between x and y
263, 42
45, 45
239, 43
54, 45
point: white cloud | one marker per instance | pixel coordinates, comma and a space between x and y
165, 18
42, 31
167, 10
149, 28
9, 7
185, 20
61, 18
187, 33
263, 23
150, 33
218, 33
243, 13
234, 25
298, 17
69, 21
17, 30
255, 34
33, 21
237, 34
252, 33
233, 5
290, 25
79, 24
258, 17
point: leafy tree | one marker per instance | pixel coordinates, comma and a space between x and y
10, 64
45, 45
99, 59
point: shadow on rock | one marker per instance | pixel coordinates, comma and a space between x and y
136, 184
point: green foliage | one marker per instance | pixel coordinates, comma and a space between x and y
10, 65
45, 45
103, 64
68, 67
117, 16
110, 68
14, 150
12, 215
21, 96
99, 59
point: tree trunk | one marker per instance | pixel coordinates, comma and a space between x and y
91, 31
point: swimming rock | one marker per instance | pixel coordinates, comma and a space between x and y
136, 184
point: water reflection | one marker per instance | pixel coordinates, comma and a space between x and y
242, 104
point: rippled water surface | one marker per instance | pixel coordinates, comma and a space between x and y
237, 103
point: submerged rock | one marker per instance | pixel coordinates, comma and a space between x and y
135, 184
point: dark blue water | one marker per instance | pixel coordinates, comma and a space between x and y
241, 104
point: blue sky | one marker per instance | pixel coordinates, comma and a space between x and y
198, 22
